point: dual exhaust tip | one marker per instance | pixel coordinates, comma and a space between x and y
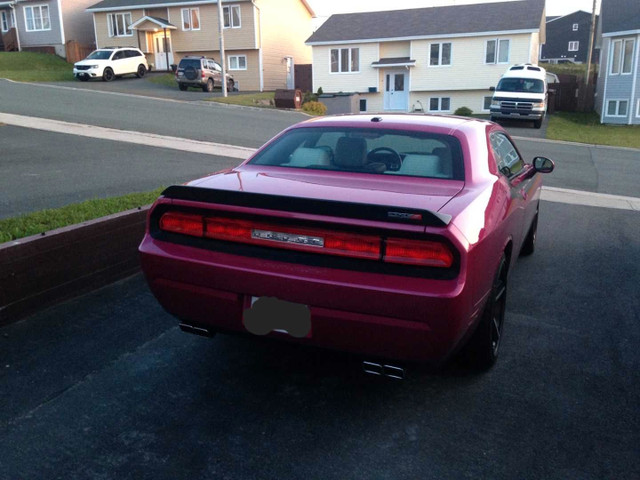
384, 370
372, 368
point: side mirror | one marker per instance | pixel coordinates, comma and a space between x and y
543, 164
492, 89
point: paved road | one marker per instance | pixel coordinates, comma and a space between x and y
206, 121
41, 170
107, 387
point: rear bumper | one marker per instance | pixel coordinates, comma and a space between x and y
411, 319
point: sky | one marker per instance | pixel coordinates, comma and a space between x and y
325, 8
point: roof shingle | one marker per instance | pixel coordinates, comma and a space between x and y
433, 21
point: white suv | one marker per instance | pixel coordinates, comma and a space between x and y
110, 62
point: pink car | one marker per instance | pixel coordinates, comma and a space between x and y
389, 236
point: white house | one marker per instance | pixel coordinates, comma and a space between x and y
427, 59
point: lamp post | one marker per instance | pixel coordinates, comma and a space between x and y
222, 59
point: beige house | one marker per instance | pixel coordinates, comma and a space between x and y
431, 60
263, 39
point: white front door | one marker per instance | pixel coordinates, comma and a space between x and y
162, 49
396, 94
290, 73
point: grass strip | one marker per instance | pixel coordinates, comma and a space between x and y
586, 128
166, 79
261, 99
50, 219
34, 67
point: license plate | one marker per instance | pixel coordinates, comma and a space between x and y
269, 314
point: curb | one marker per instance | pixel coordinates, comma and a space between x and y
42, 270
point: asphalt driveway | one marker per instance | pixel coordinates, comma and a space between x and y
135, 86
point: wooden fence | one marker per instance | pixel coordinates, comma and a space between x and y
76, 51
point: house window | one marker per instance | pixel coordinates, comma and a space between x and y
36, 18
345, 60
190, 19
575, 27
4, 21
638, 109
237, 62
574, 46
437, 104
497, 51
440, 54
616, 48
617, 108
627, 55
486, 104
231, 15
621, 56
119, 25
363, 104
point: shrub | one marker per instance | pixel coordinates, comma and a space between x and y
320, 92
463, 112
315, 108
309, 97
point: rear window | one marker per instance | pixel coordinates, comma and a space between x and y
375, 151
190, 62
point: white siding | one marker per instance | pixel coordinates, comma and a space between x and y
468, 70
345, 82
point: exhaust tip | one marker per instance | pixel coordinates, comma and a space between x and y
383, 370
203, 332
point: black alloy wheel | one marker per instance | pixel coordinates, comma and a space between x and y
141, 71
529, 244
108, 75
484, 346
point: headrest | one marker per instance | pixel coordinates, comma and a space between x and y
351, 152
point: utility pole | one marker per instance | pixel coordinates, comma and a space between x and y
592, 33
222, 59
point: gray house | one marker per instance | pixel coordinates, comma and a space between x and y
568, 39
45, 25
618, 89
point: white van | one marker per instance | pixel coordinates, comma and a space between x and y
521, 94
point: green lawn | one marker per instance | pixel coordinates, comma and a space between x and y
50, 219
166, 79
34, 67
586, 128
262, 99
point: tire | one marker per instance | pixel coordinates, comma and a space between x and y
141, 71
182, 86
208, 87
484, 346
529, 244
84, 78
230, 85
190, 73
538, 123
108, 75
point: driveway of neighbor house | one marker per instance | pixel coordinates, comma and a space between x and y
135, 86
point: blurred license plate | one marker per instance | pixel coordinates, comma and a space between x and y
270, 314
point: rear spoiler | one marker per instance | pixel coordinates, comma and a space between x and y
333, 208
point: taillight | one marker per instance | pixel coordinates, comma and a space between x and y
185, 223
418, 252
396, 250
